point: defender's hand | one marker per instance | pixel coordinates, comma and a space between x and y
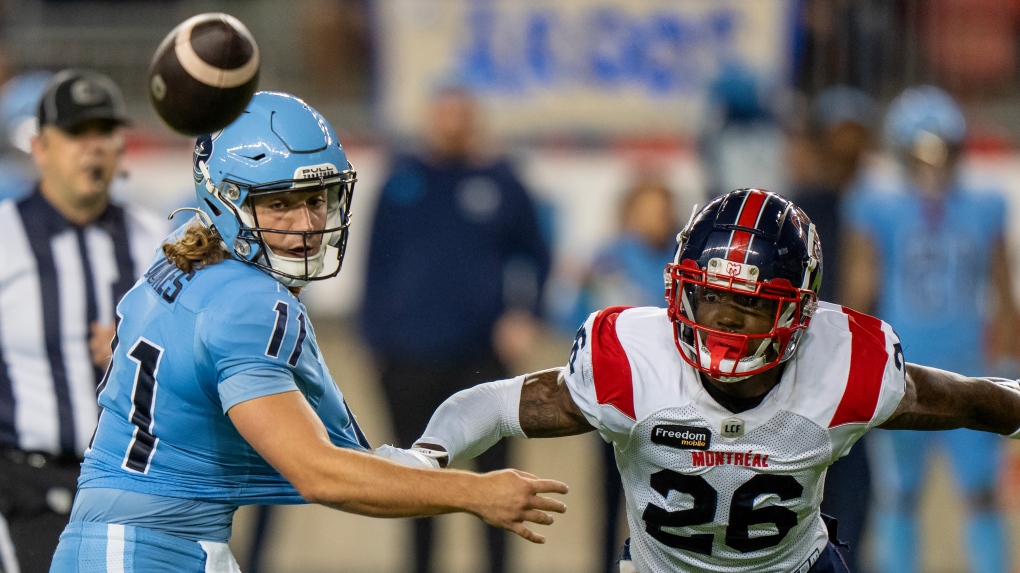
511, 498
409, 458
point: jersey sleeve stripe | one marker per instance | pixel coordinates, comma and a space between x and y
868, 358
610, 366
868, 322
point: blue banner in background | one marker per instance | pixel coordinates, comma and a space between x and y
605, 47
546, 67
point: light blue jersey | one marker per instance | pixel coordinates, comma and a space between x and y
189, 347
935, 269
166, 468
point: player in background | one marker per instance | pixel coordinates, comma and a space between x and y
930, 257
828, 152
218, 395
454, 274
726, 407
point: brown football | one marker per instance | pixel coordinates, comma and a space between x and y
204, 73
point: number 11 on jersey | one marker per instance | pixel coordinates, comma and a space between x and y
146, 356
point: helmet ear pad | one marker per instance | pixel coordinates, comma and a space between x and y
754, 246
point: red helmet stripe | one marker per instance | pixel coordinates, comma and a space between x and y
610, 365
868, 358
750, 211
739, 241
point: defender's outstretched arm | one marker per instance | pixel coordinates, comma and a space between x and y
547, 410
941, 400
536, 405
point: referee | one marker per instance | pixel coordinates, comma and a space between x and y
67, 255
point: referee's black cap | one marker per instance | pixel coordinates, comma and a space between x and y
75, 96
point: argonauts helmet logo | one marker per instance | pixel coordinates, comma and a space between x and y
203, 151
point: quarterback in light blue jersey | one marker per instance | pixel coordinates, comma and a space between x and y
218, 395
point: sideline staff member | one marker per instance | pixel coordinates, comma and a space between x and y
67, 255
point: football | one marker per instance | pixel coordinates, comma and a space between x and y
204, 73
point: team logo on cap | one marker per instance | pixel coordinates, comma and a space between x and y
86, 92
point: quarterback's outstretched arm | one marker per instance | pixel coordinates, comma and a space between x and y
536, 405
289, 435
940, 400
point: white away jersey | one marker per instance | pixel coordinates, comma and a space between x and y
709, 490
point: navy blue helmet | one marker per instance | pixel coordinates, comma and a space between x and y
762, 251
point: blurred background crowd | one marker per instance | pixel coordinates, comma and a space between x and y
524, 163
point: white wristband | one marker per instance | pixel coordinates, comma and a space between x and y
409, 458
473, 420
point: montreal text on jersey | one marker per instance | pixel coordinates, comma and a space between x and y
749, 459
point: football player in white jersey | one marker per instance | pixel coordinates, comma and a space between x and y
726, 407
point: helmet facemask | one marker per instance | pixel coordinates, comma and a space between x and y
729, 356
252, 244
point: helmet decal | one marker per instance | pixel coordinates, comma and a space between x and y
313, 172
203, 150
747, 218
726, 273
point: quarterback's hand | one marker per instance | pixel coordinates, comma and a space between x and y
510, 498
409, 458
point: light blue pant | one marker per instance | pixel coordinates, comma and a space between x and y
901, 464
975, 459
111, 548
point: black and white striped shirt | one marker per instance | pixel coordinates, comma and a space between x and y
56, 279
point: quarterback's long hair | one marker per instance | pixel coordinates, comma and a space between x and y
198, 247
